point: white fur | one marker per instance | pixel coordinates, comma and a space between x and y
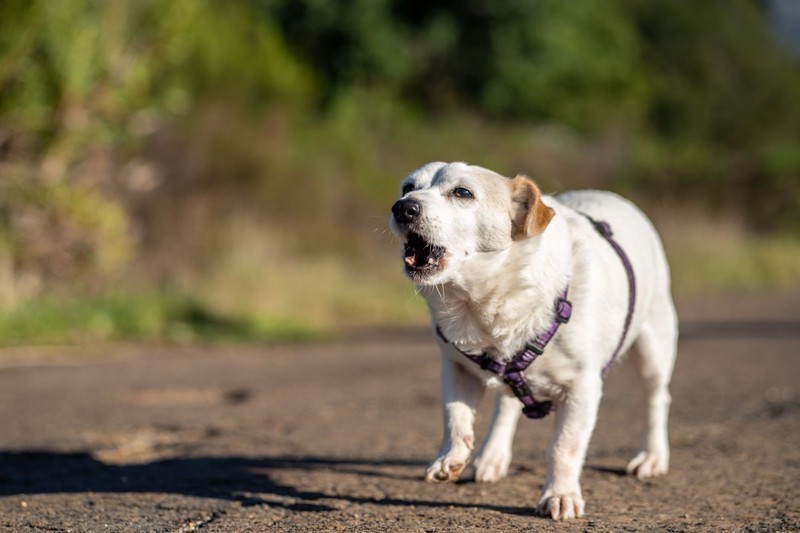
495, 292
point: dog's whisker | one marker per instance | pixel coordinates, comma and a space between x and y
418, 293
440, 291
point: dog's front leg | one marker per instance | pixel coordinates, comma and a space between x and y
576, 415
461, 392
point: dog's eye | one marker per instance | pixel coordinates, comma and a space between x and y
461, 192
407, 188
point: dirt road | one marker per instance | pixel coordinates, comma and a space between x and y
336, 437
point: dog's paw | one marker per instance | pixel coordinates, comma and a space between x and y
492, 465
649, 464
561, 506
445, 469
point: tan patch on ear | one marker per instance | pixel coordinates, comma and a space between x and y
530, 216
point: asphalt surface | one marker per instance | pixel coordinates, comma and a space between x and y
336, 437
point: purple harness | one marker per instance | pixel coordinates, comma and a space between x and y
511, 372
605, 230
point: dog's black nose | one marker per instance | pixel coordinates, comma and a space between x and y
406, 210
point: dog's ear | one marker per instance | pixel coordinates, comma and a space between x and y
529, 216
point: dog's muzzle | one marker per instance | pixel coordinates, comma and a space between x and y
422, 259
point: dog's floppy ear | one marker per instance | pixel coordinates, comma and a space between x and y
530, 216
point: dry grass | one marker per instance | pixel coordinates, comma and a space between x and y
712, 254
263, 273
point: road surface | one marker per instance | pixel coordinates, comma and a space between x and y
335, 437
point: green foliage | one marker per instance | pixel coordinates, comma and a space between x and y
575, 62
723, 116
238, 150
572, 62
81, 73
58, 232
151, 317
82, 84
701, 93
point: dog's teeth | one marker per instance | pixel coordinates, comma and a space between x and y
410, 260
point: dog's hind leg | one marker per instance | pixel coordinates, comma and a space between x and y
656, 348
461, 393
492, 462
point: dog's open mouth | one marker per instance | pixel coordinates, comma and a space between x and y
421, 257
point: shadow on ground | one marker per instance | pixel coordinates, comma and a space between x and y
243, 480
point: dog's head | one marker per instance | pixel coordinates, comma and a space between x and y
449, 213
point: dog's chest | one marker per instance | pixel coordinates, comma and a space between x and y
499, 328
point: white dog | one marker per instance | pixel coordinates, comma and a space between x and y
502, 268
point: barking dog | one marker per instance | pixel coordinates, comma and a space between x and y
503, 269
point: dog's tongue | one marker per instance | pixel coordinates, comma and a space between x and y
418, 253
416, 256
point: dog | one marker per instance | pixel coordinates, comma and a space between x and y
494, 258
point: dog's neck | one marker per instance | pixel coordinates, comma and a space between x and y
499, 300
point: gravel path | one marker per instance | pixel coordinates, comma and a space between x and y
336, 437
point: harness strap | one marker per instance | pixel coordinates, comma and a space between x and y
605, 231
511, 372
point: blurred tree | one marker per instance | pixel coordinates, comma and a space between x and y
80, 74
573, 62
82, 83
123, 118
724, 107
704, 90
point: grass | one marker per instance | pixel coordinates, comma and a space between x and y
357, 282
136, 317
717, 254
771, 263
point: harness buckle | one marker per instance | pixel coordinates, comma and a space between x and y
563, 310
538, 409
517, 384
533, 348
487, 363
602, 227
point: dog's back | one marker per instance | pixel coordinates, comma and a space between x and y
631, 229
